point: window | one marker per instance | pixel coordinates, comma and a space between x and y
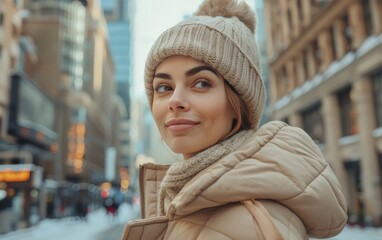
299, 70
305, 64
317, 55
315, 9
380, 162
377, 88
348, 113
333, 43
1, 127
348, 33
290, 19
1, 18
368, 18
286, 81
353, 170
354, 182
300, 13
313, 124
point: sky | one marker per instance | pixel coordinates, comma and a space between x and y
152, 17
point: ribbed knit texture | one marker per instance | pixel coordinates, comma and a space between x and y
224, 43
183, 171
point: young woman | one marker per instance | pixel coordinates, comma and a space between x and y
236, 181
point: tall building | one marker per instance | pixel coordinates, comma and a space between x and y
10, 151
119, 15
74, 67
60, 118
10, 29
261, 40
326, 77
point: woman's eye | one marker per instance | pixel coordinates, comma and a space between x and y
202, 84
162, 88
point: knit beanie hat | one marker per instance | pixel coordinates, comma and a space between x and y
221, 34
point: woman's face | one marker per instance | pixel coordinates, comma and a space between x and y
190, 105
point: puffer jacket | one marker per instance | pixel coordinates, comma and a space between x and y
280, 166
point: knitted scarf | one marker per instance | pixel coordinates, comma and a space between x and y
183, 171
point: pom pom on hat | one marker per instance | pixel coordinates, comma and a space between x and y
228, 8
221, 34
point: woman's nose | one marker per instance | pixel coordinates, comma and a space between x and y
178, 101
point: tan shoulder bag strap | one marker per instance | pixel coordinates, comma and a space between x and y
263, 219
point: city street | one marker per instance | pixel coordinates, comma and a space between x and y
78, 117
101, 227
98, 226
356, 233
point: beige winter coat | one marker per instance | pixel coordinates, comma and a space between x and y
280, 166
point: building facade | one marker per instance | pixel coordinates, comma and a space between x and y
10, 34
10, 29
119, 15
261, 40
325, 67
59, 115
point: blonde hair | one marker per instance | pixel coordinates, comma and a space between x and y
240, 109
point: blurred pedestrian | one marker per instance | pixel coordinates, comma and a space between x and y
81, 210
110, 208
236, 181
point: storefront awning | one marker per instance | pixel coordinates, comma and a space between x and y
21, 175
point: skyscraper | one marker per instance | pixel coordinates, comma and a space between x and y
326, 77
119, 17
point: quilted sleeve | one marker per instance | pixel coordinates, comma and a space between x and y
283, 164
317, 197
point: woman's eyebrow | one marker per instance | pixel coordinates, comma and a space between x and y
189, 73
163, 76
195, 70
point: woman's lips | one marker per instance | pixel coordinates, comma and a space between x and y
180, 124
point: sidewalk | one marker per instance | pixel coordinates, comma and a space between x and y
114, 233
99, 227
97, 224
358, 233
